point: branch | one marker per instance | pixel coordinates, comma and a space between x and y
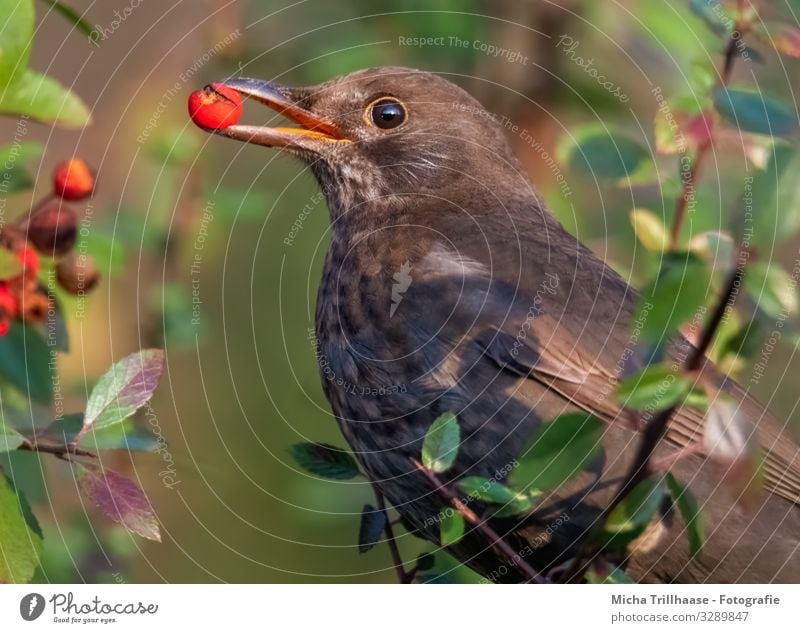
657, 427
405, 577
62, 451
483, 527
687, 190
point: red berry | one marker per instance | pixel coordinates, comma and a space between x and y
9, 307
29, 260
215, 107
73, 180
5, 326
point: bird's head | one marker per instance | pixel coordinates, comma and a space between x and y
383, 132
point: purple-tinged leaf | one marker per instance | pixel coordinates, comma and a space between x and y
121, 500
784, 38
128, 385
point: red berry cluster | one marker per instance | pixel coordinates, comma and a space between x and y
50, 228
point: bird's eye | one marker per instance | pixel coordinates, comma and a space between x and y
386, 113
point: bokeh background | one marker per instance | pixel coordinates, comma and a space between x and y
242, 383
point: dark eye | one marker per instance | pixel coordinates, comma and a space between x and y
387, 113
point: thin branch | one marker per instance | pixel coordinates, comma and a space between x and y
405, 577
481, 526
62, 451
657, 427
687, 190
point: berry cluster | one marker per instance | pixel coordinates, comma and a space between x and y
50, 229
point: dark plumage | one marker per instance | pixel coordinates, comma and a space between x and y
448, 286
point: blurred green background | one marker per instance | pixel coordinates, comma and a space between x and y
242, 383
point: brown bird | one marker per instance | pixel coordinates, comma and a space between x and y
449, 286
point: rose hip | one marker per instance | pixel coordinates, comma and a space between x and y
73, 180
215, 107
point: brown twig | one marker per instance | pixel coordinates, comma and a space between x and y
481, 526
657, 427
687, 190
405, 577
62, 451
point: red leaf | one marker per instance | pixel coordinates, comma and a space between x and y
785, 38
698, 128
122, 500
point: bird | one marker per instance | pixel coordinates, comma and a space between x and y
449, 286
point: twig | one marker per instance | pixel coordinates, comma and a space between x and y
405, 577
481, 526
687, 190
657, 427
62, 451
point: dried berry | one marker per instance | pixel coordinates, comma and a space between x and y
34, 306
73, 180
52, 229
215, 107
77, 274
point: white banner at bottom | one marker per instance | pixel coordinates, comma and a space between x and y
397, 608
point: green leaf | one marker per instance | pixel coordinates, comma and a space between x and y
370, 531
43, 99
559, 450
754, 112
25, 362
491, 491
600, 154
630, 518
124, 388
20, 544
772, 288
697, 398
672, 299
73, 17
16, 35
10, 439
690, 511
485, 489
10, 266
605, 574
325, 460
14, 160
451, 528
126, 435
440, 447
650, 230
653, 388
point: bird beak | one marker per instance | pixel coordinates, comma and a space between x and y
314, 129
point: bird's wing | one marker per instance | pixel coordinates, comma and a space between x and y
577, 338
